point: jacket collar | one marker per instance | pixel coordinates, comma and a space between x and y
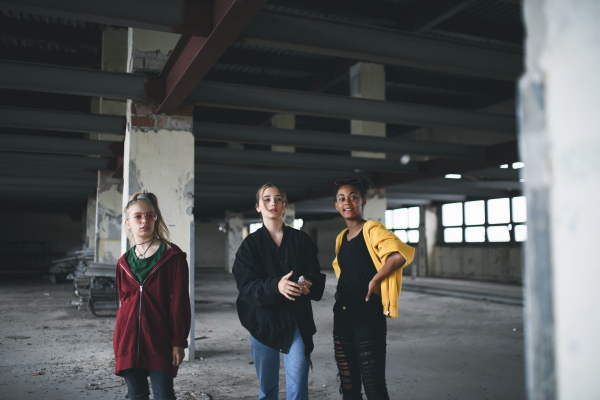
266, 236
169, 252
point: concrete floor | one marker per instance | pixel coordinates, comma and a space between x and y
438, 348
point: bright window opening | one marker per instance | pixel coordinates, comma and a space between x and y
520, 233
498, 233
298, 223
453, 235
402, 235
519, 209
452, 215
413, 236
475, 213
475, 234
414, 217
499, 211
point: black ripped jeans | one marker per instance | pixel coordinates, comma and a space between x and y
360, 342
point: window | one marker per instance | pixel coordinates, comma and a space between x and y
404, 222
480, 221
298, 223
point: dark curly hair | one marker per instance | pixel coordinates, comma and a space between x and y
360, 183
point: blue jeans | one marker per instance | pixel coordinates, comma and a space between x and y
266, 361
137, 384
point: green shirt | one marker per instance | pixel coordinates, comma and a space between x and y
141, 267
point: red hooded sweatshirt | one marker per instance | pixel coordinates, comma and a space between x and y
154, 316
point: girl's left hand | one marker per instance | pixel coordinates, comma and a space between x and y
178, 355
306, 284
374, 287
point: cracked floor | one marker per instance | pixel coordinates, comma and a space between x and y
438, 348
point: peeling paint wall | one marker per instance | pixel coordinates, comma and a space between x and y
149, 50
235, 237
163, 163
108, 218
560, 144
376, 205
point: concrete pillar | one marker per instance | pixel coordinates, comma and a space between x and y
234, 225
283, 121
290, 214
559, 143
376, 205
109, 220
367, 81
159, 152
90, 222
428, 226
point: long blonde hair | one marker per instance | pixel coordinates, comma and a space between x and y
264, 187
160, 228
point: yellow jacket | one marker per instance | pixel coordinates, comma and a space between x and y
381, 244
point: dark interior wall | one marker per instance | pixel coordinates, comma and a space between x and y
24, 233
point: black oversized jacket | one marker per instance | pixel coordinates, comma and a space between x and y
258, 267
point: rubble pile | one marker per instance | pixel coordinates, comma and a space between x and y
71, 266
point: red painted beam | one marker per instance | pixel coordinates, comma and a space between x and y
194, 56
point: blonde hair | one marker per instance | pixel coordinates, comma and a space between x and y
160, 228
264, 187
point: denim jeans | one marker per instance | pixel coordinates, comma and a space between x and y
266, 361
137, 384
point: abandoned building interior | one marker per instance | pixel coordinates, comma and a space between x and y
474, 120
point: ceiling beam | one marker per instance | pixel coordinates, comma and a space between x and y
26, 76
43, 173
79, 81
328, 140
224, 95
243, 172
319, 35
57, 161
52, 120
255, 157
48, 183
54, 145
174, 16
197, 55
292, 32
428, 13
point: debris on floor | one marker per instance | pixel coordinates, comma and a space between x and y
71, 266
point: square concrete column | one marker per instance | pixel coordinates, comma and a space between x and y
234, 225
376, 205
114, 59
367, 81
290, 214
283, 121
109, 220
159, 152
90, 222
559, 143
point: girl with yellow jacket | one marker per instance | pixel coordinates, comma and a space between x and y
368, 265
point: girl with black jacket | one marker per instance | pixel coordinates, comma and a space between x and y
277, 274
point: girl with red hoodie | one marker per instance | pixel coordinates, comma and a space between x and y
154, 314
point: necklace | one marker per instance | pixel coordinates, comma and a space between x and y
144, 254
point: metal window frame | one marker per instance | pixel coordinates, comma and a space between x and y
486, 243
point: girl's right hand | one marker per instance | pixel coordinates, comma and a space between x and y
289, 288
